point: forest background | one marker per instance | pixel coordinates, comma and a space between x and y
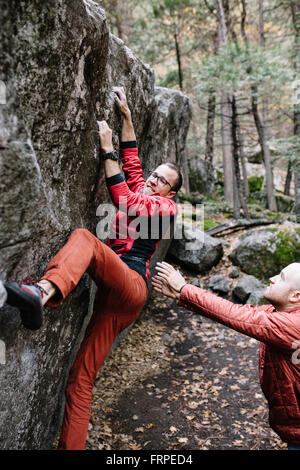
239, 62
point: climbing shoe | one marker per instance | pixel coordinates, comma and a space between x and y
27, 297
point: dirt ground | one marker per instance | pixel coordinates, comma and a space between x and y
179, 381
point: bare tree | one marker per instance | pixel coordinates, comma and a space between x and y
262, 126
210, 124
239, 195
225, 117
210, 130
242, 157
295, 7
288, 179
259, 121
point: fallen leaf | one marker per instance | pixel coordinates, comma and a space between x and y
193, 405
141, 429
234, 387
183, 440
190, 418
135, 446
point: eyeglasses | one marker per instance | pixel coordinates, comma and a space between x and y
161, 181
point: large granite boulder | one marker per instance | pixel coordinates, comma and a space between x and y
58, 64
257, 297
219, 283
247, 286
263, 253
195, 249
201, 177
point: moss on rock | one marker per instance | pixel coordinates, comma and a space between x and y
263, 253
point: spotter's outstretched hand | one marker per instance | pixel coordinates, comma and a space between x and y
168, 281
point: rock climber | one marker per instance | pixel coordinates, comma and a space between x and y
119, 267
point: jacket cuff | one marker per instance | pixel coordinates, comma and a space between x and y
112, 180
185, 295
130, 144
180, 299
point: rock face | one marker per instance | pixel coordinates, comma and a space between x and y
219, 283
263, 253
248, 286
257, 297
196, 250
200, 177
58, 64
3, 295
234, 273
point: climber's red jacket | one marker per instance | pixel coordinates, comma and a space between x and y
279, 358
141, 221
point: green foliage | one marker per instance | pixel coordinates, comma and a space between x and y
273, 215
198, 199
210, 223
170, 80
289, 148
163, 8
255, 183
214, 206
288, 250
236, 68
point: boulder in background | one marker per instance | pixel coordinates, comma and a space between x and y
196, 250
263, 253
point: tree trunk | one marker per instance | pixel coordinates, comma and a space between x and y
295, 6
265, 150
297, 196
225, 119
259, 123
263, 136
242, 157
288, 179
210, 128
239, 199
226, 149
179, 65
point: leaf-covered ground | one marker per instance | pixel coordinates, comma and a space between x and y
180, 381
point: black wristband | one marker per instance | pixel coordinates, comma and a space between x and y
111, 155
129, 144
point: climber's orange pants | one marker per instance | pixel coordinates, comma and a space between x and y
120, 296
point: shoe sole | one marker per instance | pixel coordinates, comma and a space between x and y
28, 304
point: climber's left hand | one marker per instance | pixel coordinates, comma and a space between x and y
105, 134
